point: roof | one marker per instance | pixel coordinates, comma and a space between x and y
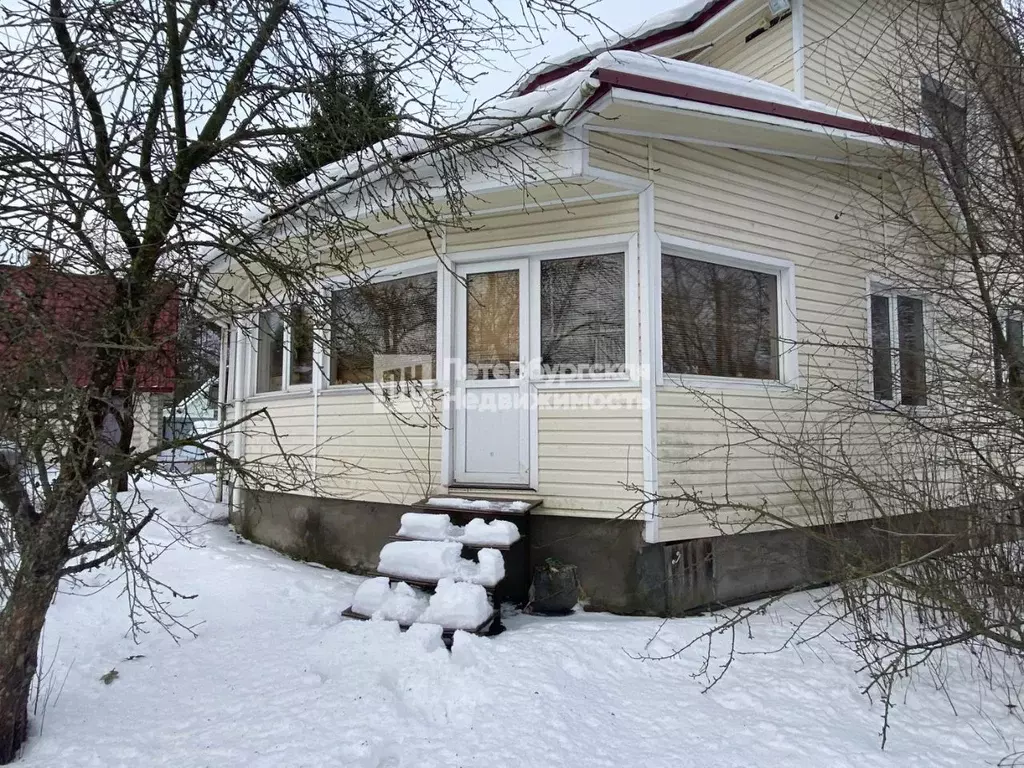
658, 29
49, 331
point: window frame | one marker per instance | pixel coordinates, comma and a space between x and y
879, 287
628, 374
414, 268
284, 308
1011, 312
784, 272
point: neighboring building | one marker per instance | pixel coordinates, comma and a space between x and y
47, 342
692, 215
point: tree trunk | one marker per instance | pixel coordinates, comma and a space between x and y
21, 625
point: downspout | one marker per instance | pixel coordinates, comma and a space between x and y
797, 7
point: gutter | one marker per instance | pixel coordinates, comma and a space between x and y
657, 87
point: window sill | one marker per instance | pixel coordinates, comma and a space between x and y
595, 382
282, 394
340, 390
726, 384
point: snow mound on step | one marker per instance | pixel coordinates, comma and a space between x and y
477, 505
420, 560
457, 605
488, 571
403, 604
496, 533
427, 527
370, 595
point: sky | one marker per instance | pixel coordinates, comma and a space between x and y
617, 14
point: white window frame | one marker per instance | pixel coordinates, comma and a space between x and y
785, 286
284, 308
879, 287
386, 274
604, 245
1005, 314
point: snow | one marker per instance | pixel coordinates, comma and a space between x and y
425, 526
402, 604
420, 560
276, 677
457, 605
478, 505
588, 48
371, 595
436, 560
480, 533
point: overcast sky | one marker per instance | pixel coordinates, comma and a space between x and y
617, 14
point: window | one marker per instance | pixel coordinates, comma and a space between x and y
719, 320
898, 350
396, 317
944, 113
583, 314
278, 342
1013, 329
270, 352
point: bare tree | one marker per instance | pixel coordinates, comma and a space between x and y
137, 141
899, 456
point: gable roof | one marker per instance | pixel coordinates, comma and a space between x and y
661, 28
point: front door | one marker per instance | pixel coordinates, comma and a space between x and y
491, 437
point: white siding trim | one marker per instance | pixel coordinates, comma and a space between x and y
798, 47
650, 292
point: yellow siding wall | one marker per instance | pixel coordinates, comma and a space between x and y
768, 57
816, 216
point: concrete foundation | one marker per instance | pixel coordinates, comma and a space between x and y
618, 572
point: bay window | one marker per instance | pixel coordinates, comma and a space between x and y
395, 318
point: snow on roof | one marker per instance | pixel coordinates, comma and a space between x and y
593, 46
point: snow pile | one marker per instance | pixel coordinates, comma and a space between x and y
426, 526
478, 505
420, 560
488, 571
496, 533
457, 605
436, 560
371, 595
402, 604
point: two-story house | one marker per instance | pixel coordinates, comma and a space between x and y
693, 221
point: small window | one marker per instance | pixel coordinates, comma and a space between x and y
270, 352
719, 320
944, 113
898, 349
301, 346
1013, 330
397, 318
583, 314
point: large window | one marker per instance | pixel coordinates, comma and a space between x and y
1013, 331
393, 318
898, 349
284, 349
719, 320
583, 314
944, 113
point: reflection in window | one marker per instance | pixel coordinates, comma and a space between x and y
583, 314
897, 333
881, 349
492, 325
396, 317
910, 322
270, 352
301, 371
719, 320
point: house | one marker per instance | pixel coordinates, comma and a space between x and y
690, 223
48, 335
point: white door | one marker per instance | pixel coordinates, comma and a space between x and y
491, 436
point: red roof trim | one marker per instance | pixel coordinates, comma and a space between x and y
655, 38
657, 87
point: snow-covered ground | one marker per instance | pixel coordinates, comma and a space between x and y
277, 678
